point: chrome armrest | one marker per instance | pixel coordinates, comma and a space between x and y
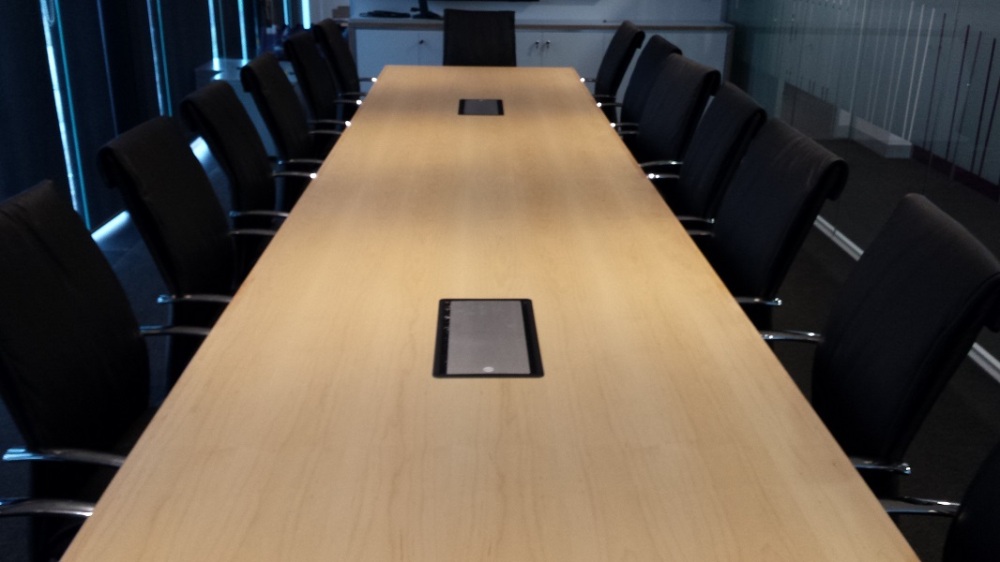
584, 80
294, 174
311, 162
372, 79
201, 298
326, 132
791, 335
862, 463
759, 301
258, 213
334, 122
662, 163
673, 165
691, 219
174, 331
608, 104
687, 221
252, 232
697, 226
19, 454
12, 507
919, 506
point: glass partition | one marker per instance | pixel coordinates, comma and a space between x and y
907, 91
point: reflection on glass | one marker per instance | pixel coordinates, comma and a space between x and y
907, 91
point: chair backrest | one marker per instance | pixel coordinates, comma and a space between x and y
479, 38
647, 71
279, 106
173, 205
338, 54
314, 75
216, 113
973, 533
675, 105
74, 371
906, 316
622, 47
717, 145
768, 209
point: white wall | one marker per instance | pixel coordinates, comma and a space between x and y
585, 10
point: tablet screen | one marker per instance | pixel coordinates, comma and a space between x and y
486, 338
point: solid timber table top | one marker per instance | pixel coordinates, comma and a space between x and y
309, 426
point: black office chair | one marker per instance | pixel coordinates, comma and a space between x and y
74, 370
695, 185
768, 209
479, 38
903, 321
330, 38
676, 102
617, 57
972, 535
274, 95
647, 71
316, 80
174, 207
216, 114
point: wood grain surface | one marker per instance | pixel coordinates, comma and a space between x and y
309, 426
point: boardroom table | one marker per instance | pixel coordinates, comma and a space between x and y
310, 425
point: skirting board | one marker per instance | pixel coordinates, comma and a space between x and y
978, 353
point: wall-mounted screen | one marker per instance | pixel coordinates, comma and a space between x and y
422, 11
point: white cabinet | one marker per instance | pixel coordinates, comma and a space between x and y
578, 45
580, 49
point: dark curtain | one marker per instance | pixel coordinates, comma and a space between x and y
28, 122
130, 74
227, 18
187, 44
107, 68
147, 51
105, 54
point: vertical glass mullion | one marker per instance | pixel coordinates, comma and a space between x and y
160, 69
214, 31
63, 95
107, 66
244, 43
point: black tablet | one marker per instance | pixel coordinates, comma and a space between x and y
486, 338
480, 107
